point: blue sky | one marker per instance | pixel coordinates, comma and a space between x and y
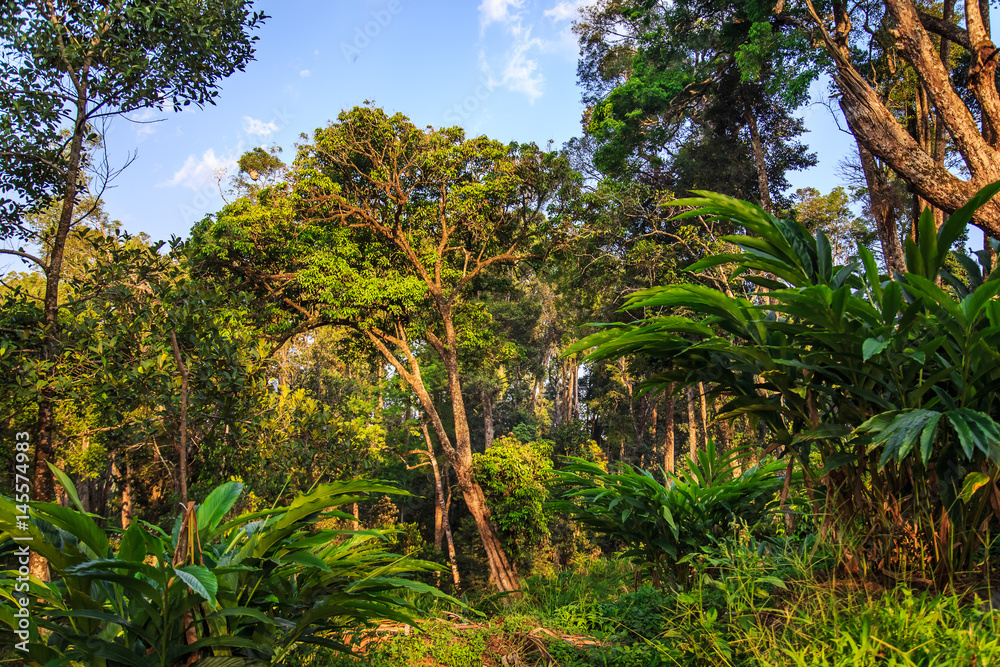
504, 68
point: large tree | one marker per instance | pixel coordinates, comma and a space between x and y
674, 99
385, 228
943, 54
67, 66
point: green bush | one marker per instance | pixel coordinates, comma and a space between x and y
512, 475
246, 590
660, 524
891, 380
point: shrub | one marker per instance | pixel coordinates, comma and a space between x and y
661, 524
247, 589
892, 380
512, 476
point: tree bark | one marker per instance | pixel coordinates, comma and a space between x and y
760, 160
125, 475
877, 129
42, 481
668, 430
441, 509
487, 400
459, 455
692, 423
883, 208
182, 430
702, 414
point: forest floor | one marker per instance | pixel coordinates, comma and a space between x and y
748, 616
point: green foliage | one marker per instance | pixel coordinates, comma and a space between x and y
572, 438
72, 63
658, 524
670, 88
886, 379
512, 474
250, 587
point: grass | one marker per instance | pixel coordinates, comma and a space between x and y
749, 605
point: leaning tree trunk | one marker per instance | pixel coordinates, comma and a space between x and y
441, 510
459, 454
878, 129
501, 571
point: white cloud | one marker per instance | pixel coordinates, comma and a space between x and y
145, 120
519, 69
197, 173
304, 73
258, 128
567, 10
520, 72
498, 11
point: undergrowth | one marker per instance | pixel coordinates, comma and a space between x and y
750, 604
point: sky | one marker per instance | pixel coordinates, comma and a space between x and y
503, 68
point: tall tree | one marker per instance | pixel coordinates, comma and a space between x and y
673, 97
66, 66
954, 105
386, 229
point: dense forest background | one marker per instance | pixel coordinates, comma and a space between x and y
417, 305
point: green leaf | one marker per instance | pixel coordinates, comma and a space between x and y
229, 661
199, 579
973, 482
976, 430
133, 546
68, 485
872, 346
838, 460
956, 223
80, 525
307, 559
215, 507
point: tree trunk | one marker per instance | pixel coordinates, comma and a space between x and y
876, 127
43, 481
702, 414
760, 160
654, 444
575, 402
442, 527
668, 430
42, 477
459, 455
126, 476
487, 399
182, 431
883, 208
725, 432
692, 424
